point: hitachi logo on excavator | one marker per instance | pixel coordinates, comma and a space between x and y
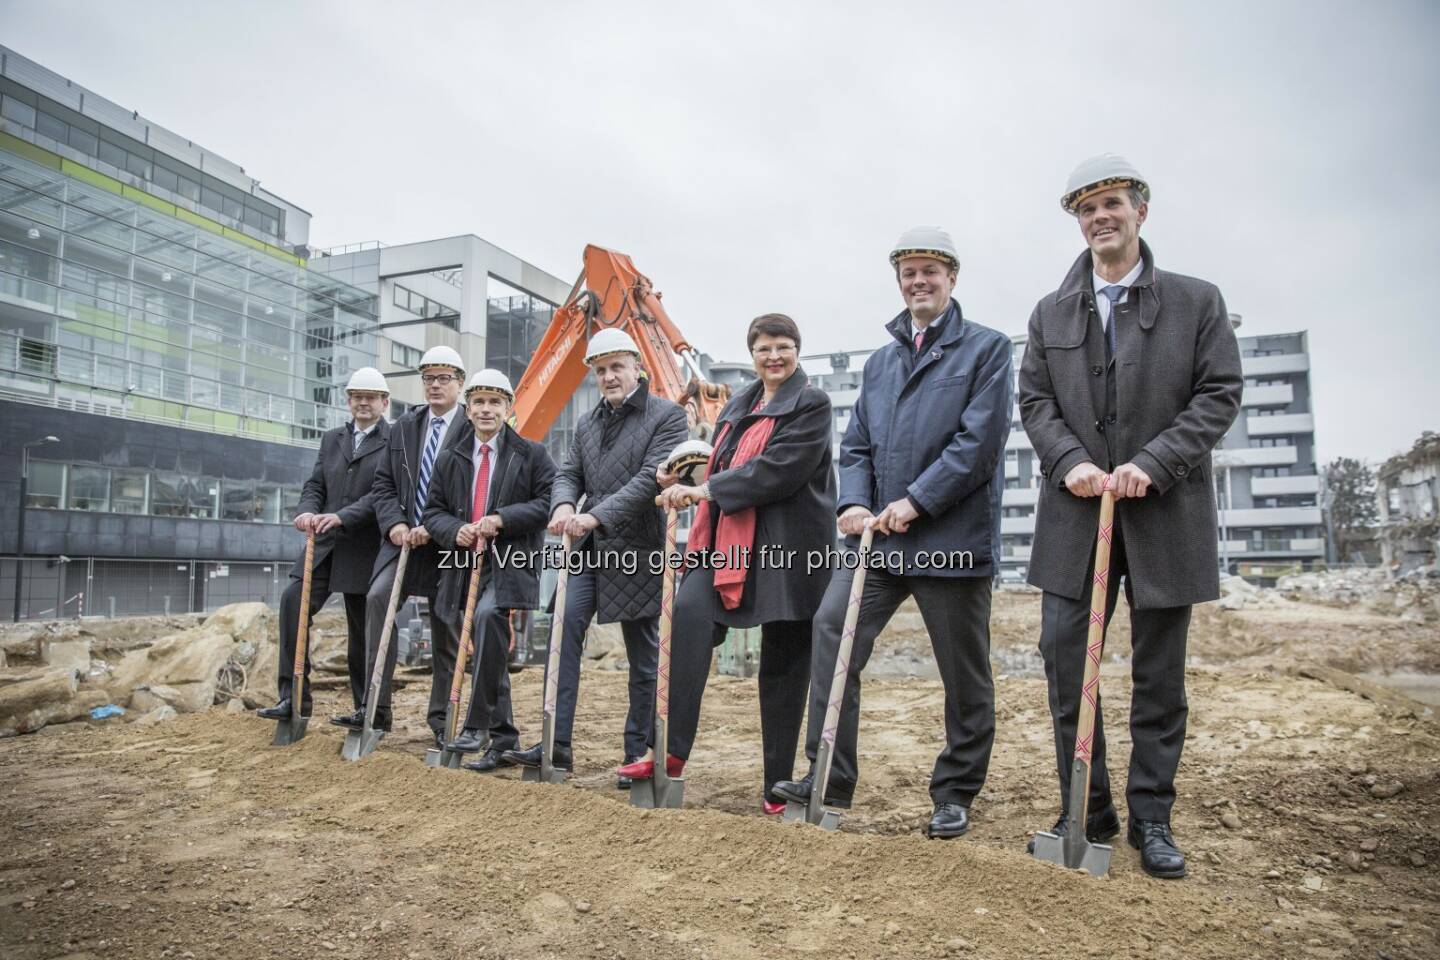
552, 362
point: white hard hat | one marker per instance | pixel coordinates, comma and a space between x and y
368, 379
442, 357
925, 242
489, 379
1101, 173
690, 462
609, 341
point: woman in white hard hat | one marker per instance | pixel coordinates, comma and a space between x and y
770, 490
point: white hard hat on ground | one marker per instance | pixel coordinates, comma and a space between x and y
690, 462
368, 379
489, 379
610, 341
1104, 172
442, 357
925, 242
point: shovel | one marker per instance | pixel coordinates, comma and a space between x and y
814, 811
1074, 850
360, 743
293, 730
546, 772
663, 790
440, 756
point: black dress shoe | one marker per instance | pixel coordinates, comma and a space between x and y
1159, 856
281, 711
491, 759
439, 739
798, 791
354, 720
469, 741
563, 758
950, 820
1100, 825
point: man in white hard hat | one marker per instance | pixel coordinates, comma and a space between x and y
490, 495
611, 465
922, 462
1131, 377
337, 505
402, 485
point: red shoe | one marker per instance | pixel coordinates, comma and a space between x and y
645, 769
772, 809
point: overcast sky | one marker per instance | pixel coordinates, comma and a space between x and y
765, 157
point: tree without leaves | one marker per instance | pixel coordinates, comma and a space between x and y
1350, 498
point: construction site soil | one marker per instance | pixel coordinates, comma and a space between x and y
1308, 804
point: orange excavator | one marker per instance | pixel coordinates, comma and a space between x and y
610, 292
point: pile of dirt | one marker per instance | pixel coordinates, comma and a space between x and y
1307, 812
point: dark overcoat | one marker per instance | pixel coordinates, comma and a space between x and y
395, 483
791, 485
620, 489
521, 478
933, 428
343, 483
1176, 384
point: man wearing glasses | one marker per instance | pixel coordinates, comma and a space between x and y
402, 485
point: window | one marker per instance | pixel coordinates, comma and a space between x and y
47, 485
127, 491
89, 489
21, 113
267, 503
86, 143
52, 127
239, 500
178, 495
405, 356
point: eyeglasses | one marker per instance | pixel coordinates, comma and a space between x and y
780, 351
429, 378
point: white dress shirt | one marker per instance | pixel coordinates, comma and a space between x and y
1102, 302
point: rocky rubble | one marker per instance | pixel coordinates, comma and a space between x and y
58, 673
1413, 596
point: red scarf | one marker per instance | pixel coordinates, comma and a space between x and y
735, 530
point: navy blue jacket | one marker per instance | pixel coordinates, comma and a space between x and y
933, 429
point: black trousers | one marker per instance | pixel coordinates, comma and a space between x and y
290, 629
1158, 708
642, 648
377, 600
489, 670
784, 676
956, 611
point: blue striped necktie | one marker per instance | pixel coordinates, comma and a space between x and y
1113, 293
427, 463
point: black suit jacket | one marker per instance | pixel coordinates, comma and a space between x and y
520, 479
395, 483
343, 483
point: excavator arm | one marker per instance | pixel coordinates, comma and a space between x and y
610, 292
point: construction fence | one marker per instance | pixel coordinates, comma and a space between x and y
65, 587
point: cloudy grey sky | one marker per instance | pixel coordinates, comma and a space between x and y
757, 157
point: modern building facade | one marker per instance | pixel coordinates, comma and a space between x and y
171, 350
1267, 484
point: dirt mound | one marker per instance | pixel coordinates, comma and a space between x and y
1307, 812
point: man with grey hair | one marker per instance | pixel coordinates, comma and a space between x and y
1131, 377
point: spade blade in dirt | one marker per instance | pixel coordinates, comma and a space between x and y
290, 730
1093, 858
361, 743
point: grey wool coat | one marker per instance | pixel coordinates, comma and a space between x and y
619, 485
343, 483
1176, 382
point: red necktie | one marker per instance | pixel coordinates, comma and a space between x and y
482, 485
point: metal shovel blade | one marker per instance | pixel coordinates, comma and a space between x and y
361, 743
547, 774
826, 819
290, 730
436, 757
1079, 854
658, 795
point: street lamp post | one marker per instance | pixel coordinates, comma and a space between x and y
20, 514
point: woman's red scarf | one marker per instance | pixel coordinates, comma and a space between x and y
735, 530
